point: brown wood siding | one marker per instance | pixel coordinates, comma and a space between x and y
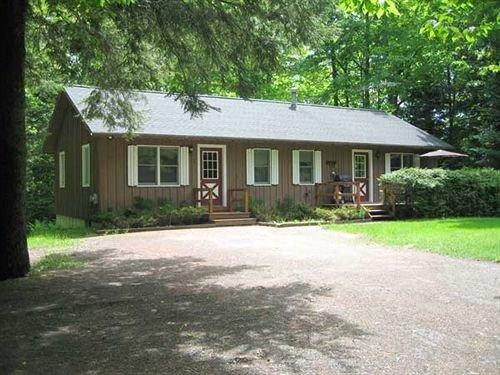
74, 200
115, 194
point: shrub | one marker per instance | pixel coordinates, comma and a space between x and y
258, 209
188, 215
143, 204
147, 213
441, 193
349, 213
324, 214
289, 210
342, 213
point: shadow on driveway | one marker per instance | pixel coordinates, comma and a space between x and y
164, 316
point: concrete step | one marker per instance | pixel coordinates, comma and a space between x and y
228, 215
234, 222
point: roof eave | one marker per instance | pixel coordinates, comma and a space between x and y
353, 143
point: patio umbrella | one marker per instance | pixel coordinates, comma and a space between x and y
442, 154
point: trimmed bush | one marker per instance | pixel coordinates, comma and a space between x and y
444, 193
289, 210
258, 209
342, 213
146, 213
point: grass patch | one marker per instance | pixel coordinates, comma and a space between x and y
57, 261
56, 244
51, 237
473, 238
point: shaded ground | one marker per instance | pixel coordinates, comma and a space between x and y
252, 300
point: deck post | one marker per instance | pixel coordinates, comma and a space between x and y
358, 194
230, 200
337, 193
245, 199
210, 200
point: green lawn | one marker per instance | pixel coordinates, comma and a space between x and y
474, 238
50, 237
56, 244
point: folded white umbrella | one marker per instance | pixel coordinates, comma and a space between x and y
442, 153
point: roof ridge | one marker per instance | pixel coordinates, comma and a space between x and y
276, 101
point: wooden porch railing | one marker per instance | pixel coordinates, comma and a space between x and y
198, 196
233, 198
337, 194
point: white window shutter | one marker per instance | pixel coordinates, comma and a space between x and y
387, 163
416, 161
184, 166
132, 165
295, 167
275, 172
250, 167
317, 167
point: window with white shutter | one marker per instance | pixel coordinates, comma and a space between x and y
158, 165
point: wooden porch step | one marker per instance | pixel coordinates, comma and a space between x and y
380, 217
234, 222
228, 215
373, 206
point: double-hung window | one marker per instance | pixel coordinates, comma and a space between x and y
401, 160
262, 166
157, 165
169, 165
306, 167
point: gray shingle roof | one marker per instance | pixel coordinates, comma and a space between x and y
269, 120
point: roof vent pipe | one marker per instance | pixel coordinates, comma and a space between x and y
293, 104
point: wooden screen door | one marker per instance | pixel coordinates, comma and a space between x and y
361, 173
211, 174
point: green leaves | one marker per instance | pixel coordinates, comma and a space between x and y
378, 8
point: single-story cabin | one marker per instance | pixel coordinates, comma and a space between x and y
269, 150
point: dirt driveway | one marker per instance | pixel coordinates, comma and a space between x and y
252, 300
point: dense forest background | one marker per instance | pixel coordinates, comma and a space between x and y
434, 64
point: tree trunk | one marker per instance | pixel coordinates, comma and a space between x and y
335, 74
14, 259
366, 64
451, 105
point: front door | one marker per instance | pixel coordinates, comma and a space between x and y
361, 173
211, 174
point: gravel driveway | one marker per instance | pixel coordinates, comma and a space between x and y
253, 300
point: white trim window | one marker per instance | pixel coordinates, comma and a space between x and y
86, 165
62, 169
147, 165
306, 167
158, 166
395, 161
169, 165
262, 167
